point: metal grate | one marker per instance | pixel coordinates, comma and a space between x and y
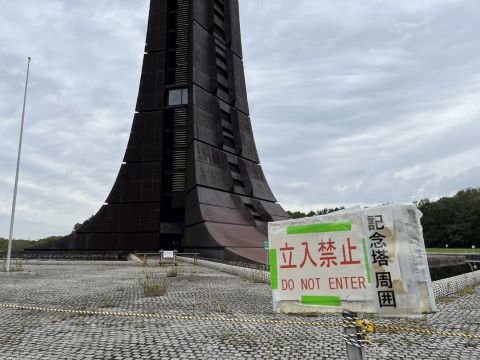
180, 118
183, 26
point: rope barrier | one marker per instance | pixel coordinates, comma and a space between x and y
365, 326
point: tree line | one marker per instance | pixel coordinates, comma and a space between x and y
452, 221
20, 244
300, 214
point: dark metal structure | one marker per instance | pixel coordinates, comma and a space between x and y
191, 177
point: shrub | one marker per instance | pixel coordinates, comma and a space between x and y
152, 287
172, 271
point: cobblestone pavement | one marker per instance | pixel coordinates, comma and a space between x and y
117, 287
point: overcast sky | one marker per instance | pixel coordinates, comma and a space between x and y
352, 102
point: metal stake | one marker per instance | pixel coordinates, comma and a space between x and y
12, 218
351, 331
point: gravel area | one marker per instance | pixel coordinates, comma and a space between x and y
118, 287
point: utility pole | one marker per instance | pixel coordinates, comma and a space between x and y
12, 218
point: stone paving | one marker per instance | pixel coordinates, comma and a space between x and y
117, 287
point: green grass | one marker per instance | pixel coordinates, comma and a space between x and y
469, 290
24, 244
453, 250
153, 287
255, 276
108, 303
172, 271
18, 266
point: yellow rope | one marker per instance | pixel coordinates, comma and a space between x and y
365, 326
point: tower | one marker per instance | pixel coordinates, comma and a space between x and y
191, 178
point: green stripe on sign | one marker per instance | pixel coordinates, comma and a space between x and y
319, 228
321, 300
272, 257
367, 261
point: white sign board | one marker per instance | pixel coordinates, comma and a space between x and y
362, 260
168, 255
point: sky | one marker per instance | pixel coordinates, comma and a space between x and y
352, 102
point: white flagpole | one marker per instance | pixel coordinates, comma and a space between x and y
12, 218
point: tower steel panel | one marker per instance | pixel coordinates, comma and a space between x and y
191, 178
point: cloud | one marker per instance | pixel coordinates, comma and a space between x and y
350, 96
84, 79
351, 102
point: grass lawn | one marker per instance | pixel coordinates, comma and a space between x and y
453, 250
23, 244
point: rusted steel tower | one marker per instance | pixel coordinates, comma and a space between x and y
191, 178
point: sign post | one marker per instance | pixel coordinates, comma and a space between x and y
369, 260
167, 257
265, 246
352, 337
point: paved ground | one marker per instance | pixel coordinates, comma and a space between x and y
26, 334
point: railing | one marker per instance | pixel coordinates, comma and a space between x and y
473, 259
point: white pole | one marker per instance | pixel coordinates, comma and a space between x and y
12, 218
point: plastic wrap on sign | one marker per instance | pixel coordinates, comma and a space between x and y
370, 260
